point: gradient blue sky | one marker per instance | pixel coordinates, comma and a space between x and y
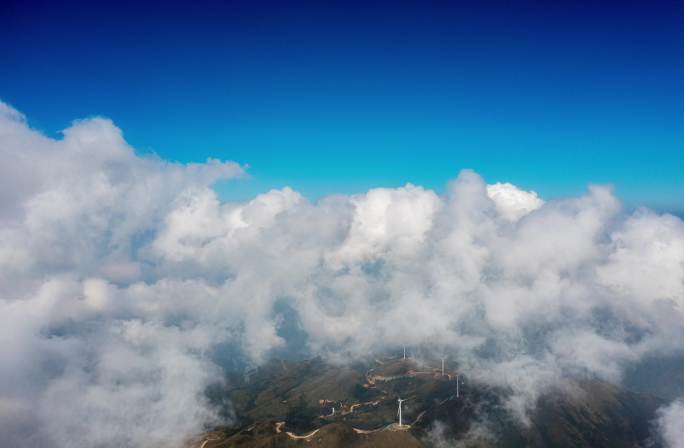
341, 96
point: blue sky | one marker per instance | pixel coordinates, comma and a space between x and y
331, 97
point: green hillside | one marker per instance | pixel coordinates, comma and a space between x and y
310, 403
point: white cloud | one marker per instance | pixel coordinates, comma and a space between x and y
671, 424
388, 221
511, 202
121, 275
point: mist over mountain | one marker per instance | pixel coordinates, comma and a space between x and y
129, 291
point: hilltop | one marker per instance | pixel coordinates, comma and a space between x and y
311, 403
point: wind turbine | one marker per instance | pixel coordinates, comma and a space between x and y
404, 352
400, 402
443, 358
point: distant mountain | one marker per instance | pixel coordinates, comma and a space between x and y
310, 403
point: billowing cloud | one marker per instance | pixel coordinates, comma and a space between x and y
511, 202
125, 281
671, 424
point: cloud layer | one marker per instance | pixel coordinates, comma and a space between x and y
123, 278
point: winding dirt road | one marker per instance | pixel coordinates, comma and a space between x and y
370, 380
305, 436
279, 429
208, 440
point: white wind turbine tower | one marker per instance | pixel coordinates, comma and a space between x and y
400, 402
443, 358
404, 352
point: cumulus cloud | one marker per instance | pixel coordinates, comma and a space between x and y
511, 202
93, 355
671, 423
123, 278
